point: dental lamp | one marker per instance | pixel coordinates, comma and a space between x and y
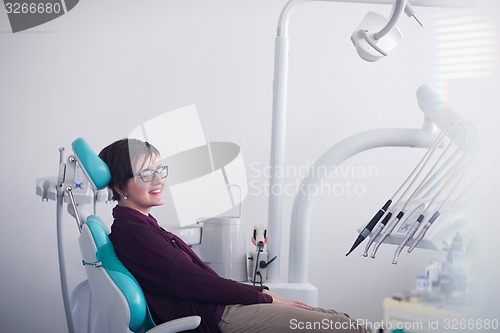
373, 39
372, 46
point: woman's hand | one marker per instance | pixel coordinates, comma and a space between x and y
282, 300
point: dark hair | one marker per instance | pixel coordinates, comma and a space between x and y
120, 156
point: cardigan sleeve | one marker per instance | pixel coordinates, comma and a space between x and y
163, 269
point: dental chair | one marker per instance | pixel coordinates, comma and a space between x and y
117, 303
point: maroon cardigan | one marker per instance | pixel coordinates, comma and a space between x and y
175, 281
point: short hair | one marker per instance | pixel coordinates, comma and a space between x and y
121, 156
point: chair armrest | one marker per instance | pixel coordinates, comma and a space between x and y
177, 325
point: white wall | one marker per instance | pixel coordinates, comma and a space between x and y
107, 66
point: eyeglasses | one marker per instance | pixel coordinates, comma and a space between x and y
148, 175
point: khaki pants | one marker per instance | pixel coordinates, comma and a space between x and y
276, 318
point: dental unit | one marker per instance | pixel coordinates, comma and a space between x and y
373, 39
387, 224
439, 166
378, 228
369, 229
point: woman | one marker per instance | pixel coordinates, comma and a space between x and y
175, 281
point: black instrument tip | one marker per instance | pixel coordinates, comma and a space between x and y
356, 243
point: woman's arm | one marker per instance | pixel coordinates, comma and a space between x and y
163, 269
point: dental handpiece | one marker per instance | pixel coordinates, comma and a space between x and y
422, 232
376, 231
407, 237
387, 231
367, 230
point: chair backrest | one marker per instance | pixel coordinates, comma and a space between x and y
115, 293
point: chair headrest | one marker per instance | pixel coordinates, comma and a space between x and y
93, 166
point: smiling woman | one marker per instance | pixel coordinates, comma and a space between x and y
175, 281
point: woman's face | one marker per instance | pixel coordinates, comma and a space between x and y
143, 195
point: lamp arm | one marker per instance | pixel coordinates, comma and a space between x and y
290, 6
397, 11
